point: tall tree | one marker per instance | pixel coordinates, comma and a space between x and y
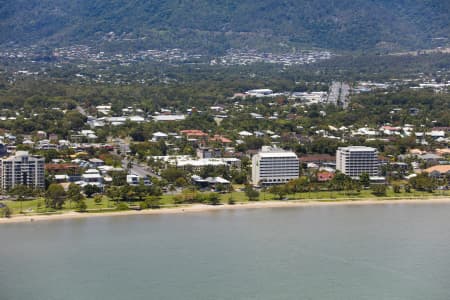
55, 196
74, 194
90, 190
252, 194
364, 179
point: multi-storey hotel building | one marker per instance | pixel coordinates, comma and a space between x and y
274, 166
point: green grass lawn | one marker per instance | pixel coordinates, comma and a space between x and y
38, 205
106, 203
326, 195
363, 194
28, 206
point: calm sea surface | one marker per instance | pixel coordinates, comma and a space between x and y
354, 252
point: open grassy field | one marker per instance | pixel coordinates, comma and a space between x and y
37, 206
333, 195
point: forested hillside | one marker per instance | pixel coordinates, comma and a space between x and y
217, 25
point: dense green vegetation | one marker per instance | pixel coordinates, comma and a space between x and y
219, 25
377, 67
33, 98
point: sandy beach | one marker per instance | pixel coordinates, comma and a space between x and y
195, 208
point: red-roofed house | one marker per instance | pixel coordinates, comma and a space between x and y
62, 168
438, 171
324, 176
193, 133
221, 139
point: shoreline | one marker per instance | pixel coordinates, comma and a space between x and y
195, 208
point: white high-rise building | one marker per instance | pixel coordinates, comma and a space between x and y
274, 166
22, 169
356, 160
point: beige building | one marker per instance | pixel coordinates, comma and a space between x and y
22, 169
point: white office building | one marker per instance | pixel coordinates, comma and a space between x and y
274, 166
356, 160
22, 169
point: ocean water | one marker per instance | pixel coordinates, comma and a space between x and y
399, 251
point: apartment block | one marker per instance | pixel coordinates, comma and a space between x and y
356, 160
22, 169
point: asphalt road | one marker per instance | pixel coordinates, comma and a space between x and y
139, 169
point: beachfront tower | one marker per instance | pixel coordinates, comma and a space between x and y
274, 166
22, 169
356, 160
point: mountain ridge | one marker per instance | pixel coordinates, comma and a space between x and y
215, 26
